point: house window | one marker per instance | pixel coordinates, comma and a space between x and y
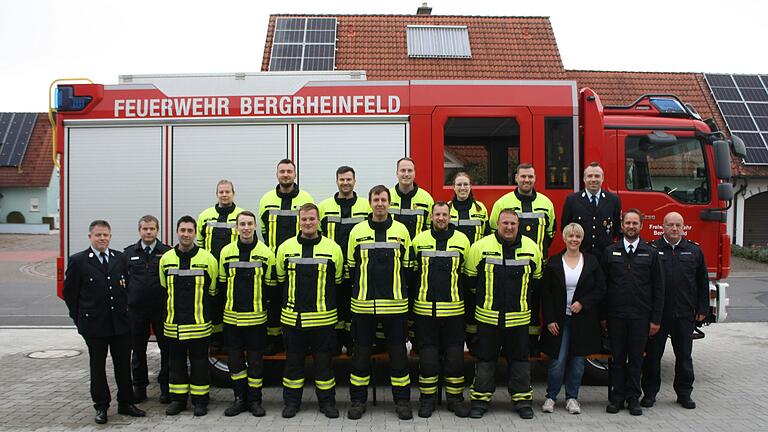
438, 42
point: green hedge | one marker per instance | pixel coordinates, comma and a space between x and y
754, 253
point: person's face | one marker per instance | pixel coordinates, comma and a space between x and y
573, 241
308, 221
286, 175
246, 226
346, 183
225, 194
148, 232
631, 226
99, 237
673, 228
462, 187
593, 179
525, 179
441, 217
406, 171
186, 234
380, 204
508, 225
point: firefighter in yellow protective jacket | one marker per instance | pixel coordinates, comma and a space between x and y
503, 267
338, 215
216, 229
309, 267
438, 261
378, 259
278, 214
189, 275
246, 276
537, 222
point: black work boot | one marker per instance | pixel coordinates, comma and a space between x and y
176, 407
404, 410
329, 409
426, 406
290, 410
458, 407
356, 410
238, 406
477, 409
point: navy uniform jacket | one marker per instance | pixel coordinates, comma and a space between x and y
145, 294
687, 283
97, 299
602, 225
634, 283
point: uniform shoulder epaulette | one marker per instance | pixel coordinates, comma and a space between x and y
653, 245
697, 244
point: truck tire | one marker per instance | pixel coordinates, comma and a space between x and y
219, 371
595, 372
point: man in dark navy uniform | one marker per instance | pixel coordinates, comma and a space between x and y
94, 290
596, 210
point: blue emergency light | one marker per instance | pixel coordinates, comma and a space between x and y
67, 101
669, 106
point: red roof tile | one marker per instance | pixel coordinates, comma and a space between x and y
37, 166
502, 47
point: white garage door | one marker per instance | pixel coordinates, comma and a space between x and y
371, 149
112, 173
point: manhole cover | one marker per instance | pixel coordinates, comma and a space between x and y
53, 354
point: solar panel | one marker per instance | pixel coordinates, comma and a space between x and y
743, 101
304, 44
15, 131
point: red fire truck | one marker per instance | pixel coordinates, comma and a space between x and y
157, 144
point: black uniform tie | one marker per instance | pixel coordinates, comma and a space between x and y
630, 247
593, 200
148, 250
104, 262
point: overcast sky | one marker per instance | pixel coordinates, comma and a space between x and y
45, 40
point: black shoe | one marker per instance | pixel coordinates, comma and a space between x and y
175, 407
634, 407
647, 401
139, 394
165, 396
237, 407
426, 407
290, 411
459, 408
130, 410
256, 409
329, 409
200, 410
404, 410
356, 410
686, 403
525, 412
101, 416
477, 410
613, 408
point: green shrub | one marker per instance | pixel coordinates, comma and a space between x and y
755, 253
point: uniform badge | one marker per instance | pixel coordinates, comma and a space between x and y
528, 228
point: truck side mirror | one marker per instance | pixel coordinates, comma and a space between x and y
725, 191
738, 146
722, 160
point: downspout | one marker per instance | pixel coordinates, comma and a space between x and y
743, 191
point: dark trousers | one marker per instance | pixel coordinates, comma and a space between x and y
321, 342
681, 330
274, 326
363, 336
628, 338
119, 348
141, 322
441, 340
343, 336
513, 343
245, 345
196, 380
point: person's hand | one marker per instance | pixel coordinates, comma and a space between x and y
654, 329
553, 328
700, 317
576, 307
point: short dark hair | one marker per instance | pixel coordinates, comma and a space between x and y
247, 213
186, 219
99, 223
441, 204
225, 181
524, 165
632, 210
148, 219
397, 165
508, 210
345, 169
377, 190
287, 161
593, 164
309, 206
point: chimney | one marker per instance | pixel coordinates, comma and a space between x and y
424, 10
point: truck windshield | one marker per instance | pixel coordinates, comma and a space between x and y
678, 170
